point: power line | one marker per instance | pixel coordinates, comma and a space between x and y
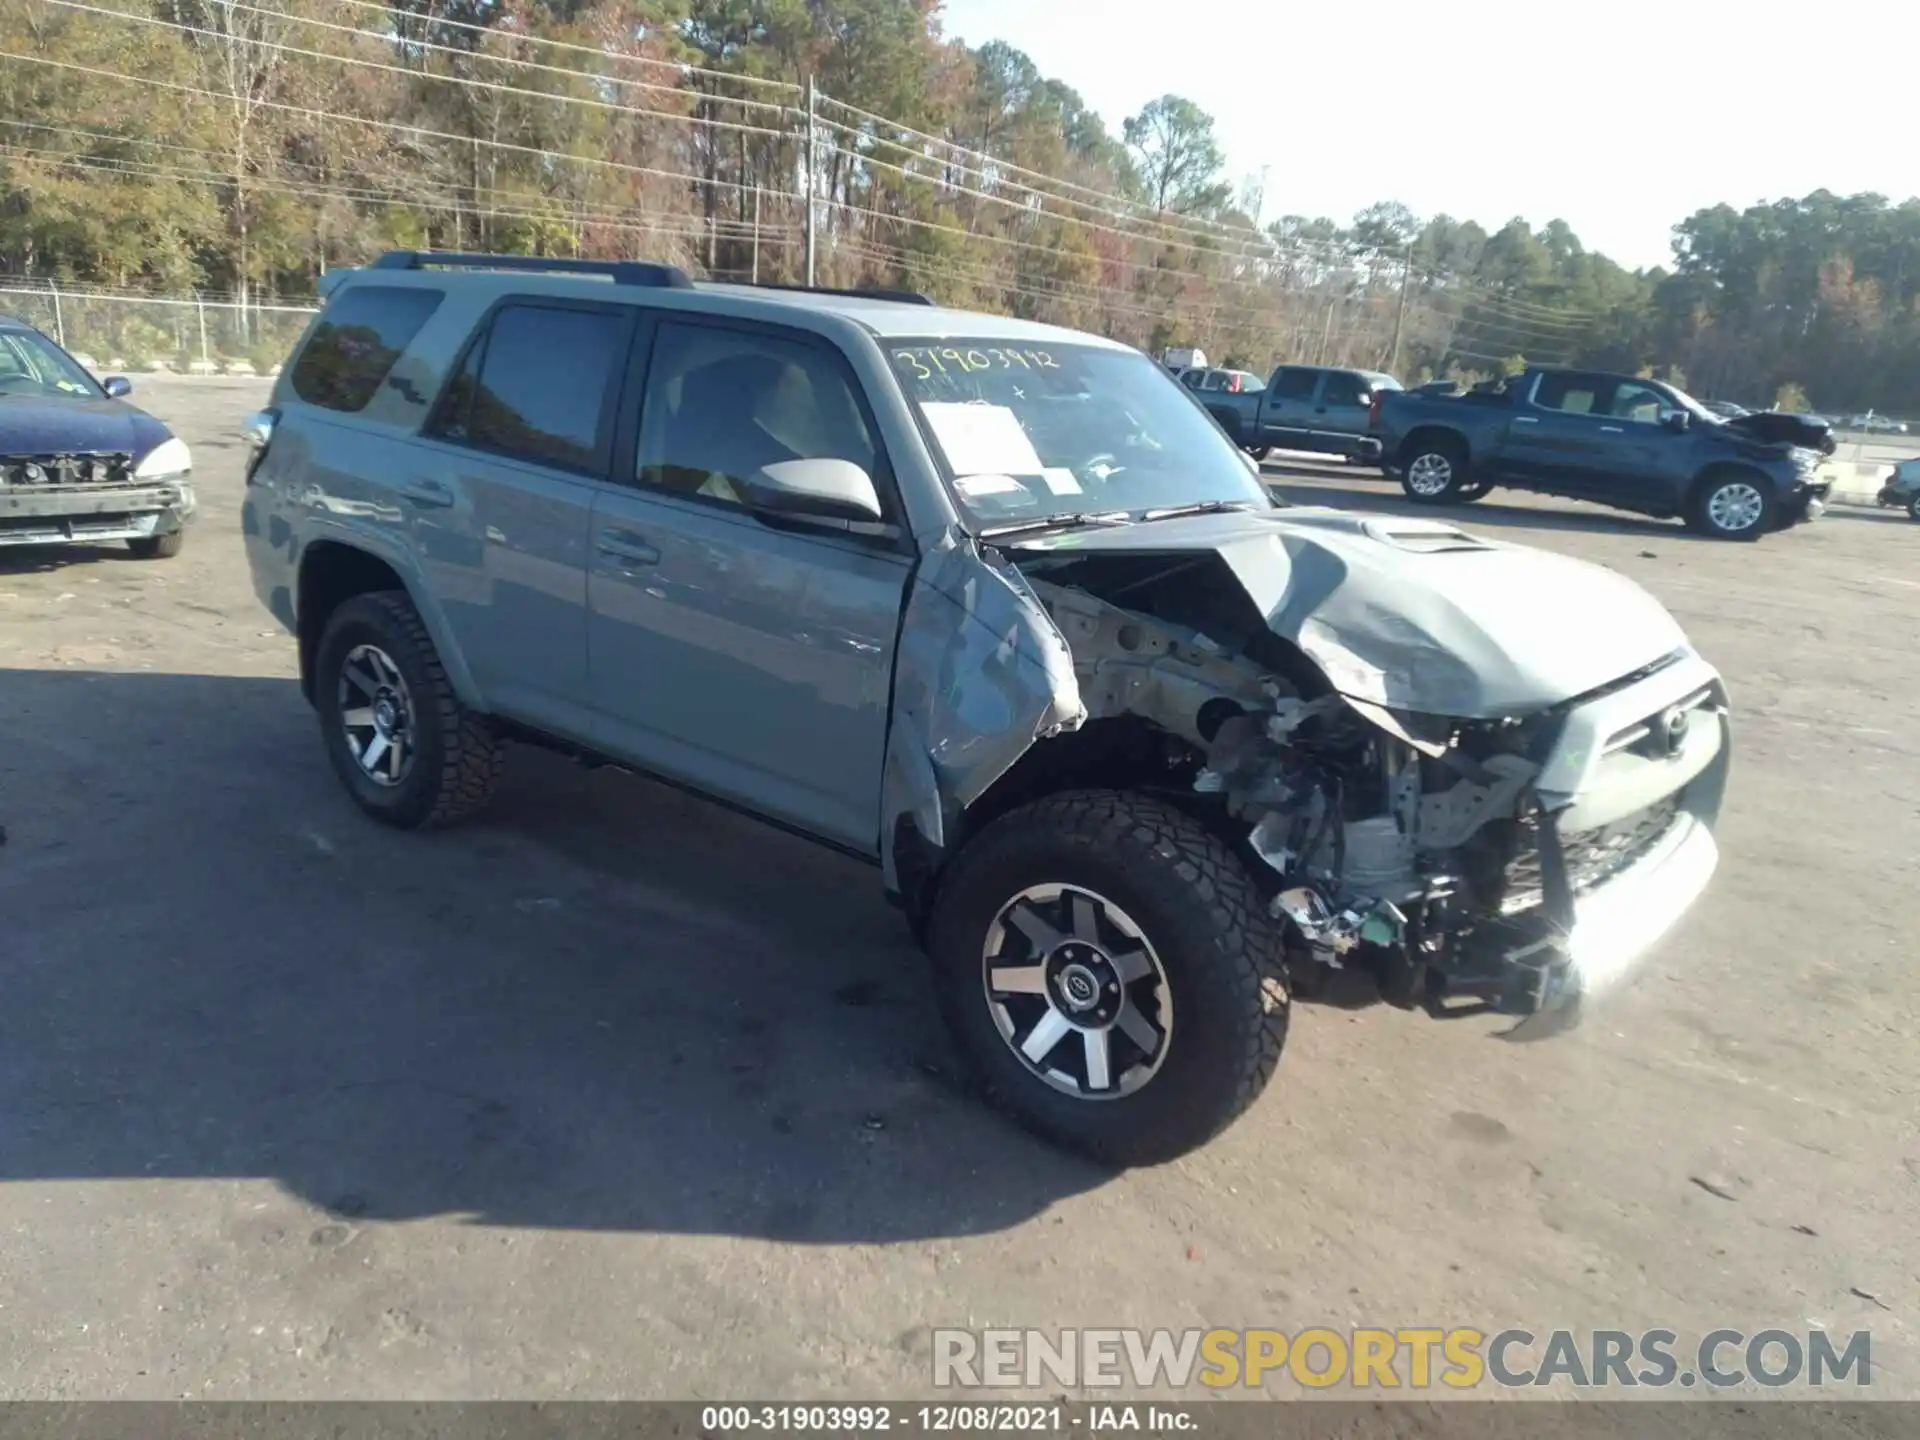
418, 132
678, 66
490, 86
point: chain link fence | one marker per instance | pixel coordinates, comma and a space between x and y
113, 333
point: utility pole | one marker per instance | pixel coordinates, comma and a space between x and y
756, 234
813, 162
1400, 314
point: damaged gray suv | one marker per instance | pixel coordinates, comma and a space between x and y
998, 608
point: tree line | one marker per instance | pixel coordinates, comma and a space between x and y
244, 147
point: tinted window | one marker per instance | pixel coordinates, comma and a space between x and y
536, 387
1295, 384
1342, 389
363, 333
1575, 394
721, 404
1193, 379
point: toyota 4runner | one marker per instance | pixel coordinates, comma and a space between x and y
1000, 609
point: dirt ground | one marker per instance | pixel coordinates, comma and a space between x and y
616, 1094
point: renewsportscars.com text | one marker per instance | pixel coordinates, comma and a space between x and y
1415, 1358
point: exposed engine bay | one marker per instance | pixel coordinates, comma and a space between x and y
1418, 849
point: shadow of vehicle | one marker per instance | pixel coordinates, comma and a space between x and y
44, 559
607, 1005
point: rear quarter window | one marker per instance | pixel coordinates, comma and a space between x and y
363, 333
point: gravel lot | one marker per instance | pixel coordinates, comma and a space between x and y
616, 1094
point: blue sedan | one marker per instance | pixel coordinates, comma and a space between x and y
78, 464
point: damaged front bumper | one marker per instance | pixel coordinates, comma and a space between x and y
1622, 847
1610, 930
89, 514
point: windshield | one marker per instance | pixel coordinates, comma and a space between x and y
31, 364
1037, 432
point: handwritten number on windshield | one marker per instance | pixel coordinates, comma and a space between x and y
924, 361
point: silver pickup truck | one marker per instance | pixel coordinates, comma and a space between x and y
997, 608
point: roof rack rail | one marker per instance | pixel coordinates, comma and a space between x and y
897, 297
621, 272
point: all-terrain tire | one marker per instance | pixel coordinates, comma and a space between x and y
457, 760
158, 547
1441, 460
1221, 954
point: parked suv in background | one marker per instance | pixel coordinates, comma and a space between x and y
78, 464
995, 607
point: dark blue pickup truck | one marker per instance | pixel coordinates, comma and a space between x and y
1618, 440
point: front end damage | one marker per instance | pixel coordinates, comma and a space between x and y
91, 498
1509, 863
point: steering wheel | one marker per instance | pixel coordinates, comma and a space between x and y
1100, 468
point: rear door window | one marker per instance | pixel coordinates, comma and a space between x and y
1342, 389
1295, 384
359, 339
538, 385
1571, 393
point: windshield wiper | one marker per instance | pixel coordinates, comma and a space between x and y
1077, 520
1210, 507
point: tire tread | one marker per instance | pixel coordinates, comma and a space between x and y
1241, 942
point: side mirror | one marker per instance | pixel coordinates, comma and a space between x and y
118, 387
830, 490
1364, 400
1676, 420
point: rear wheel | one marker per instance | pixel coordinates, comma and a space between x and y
158, 547
400, 740
1260, 453
1435, 472
1109, 975
1732, 505
1913, 507
1475, 490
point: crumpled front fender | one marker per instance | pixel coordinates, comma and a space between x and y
981, 673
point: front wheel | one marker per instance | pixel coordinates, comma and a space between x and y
1732, 507
158, 547
1435, 472
1259, 453
1110, 976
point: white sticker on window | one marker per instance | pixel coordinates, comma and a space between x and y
973, 487
1061, 482
982, 439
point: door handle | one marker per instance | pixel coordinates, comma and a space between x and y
1525, 420
1611, 430
625, 545
428, 494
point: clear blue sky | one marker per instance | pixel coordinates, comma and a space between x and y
1619, 119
